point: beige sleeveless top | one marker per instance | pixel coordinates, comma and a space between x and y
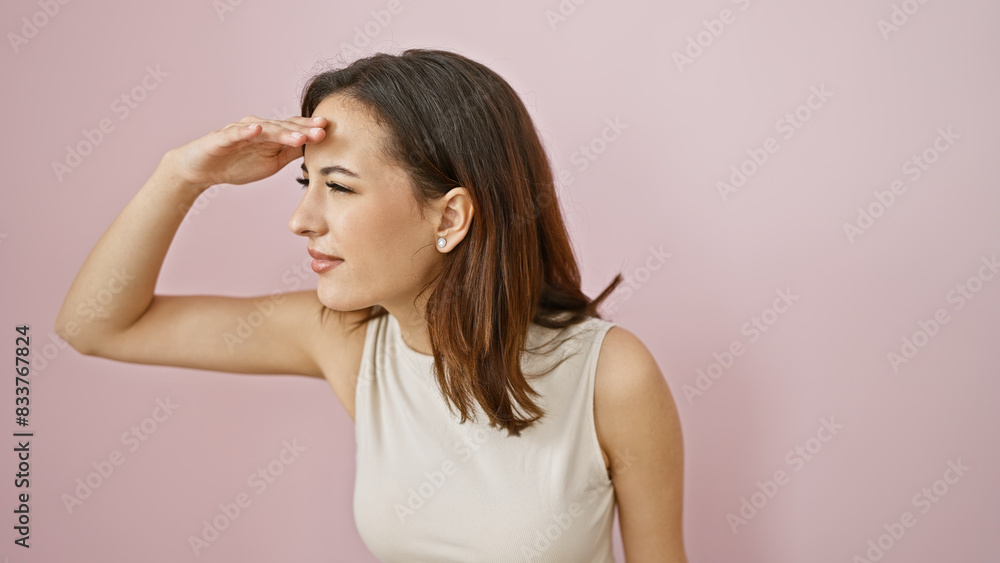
430, 489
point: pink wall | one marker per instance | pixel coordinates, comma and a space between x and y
843, 109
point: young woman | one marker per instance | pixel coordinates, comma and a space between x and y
497, 416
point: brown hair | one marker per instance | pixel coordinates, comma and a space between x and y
453, 122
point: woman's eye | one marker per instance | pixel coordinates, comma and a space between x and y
337, 187
332, 186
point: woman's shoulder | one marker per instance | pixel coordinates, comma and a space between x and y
622, 349
630, 394
627, 372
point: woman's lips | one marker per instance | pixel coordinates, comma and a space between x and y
320, 266
324, 262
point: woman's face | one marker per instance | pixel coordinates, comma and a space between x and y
388, 250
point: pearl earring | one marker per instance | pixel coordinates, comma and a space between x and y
442, 242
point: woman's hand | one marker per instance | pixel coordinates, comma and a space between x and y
245, 151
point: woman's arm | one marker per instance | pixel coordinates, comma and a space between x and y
111, 310
638, 425
115, 284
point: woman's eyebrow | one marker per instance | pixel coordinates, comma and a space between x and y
336, 168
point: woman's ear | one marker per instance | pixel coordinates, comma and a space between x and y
455, 212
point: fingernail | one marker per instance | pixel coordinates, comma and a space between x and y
296, 135
317, 119
315, 130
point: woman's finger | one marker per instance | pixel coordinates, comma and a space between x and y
233, 134
298, 123
303, 125
317, 121
287, 133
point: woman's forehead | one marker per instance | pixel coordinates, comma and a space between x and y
350, 144
348, 117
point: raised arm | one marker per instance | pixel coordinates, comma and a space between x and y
111, 309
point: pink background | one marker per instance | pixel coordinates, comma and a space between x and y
653, 186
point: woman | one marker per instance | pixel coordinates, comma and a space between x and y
497, 416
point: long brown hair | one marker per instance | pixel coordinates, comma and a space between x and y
453, 122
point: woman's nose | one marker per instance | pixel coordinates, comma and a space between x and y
307, 219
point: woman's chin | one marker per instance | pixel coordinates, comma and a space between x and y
338, 302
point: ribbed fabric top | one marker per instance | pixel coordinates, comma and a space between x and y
428, 489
